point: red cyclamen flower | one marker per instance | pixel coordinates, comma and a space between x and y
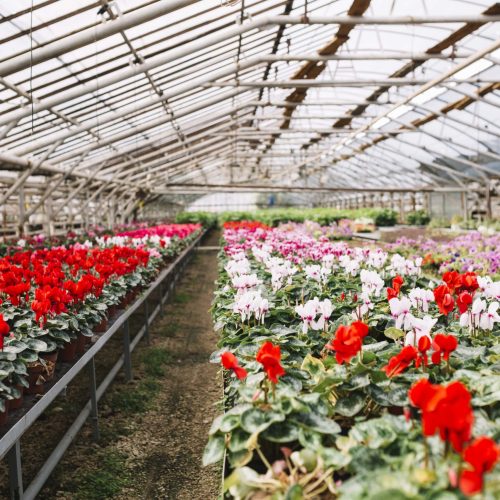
464, 300
269, 356
4, 330
348, 341
444, 299
445, 409
229, 362
399, 363
443, 346
481, 456
396, 287
424, 344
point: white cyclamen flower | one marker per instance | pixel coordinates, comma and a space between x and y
400, 310
325, 310
421, 328
308, 312
421, 298
371, 282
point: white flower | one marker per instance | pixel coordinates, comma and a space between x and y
21, 243
376, 258
489, 318
405, 267
325, 309
472, 318
400, 310
328, 260
317, 273
421, 328
281, 272
491, 289
249, 303
246, 282
351, 266
237, 267
421, 298
371, 282
308, 312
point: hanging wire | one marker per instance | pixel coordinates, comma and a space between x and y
31, 72
96, 61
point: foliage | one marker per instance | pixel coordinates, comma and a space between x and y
50, 296
338, 421
418, 218
274, 217
206, 219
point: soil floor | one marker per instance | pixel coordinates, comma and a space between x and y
154, 429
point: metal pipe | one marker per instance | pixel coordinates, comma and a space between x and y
91, 35
220, 36
386, 82
172, 187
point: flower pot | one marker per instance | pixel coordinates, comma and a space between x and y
113, 311
4, 415
39, 373
15, 404
81, 342
36, 379
50, 359
102, 326
68, 354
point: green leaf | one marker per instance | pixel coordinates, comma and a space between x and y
351, 404
394, 333
313, 366
318, 423
254, 420
281, 432
37, 345
378, 346
214, 451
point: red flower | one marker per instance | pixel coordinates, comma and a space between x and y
444, 299
229, 362
4, 330
445, 409
453, 280
396, 287
424, 344
360, 329
399, 363
482, 455
269, 356
391, 293
443, 346
469, 282
464, 300
397, 282
348, 341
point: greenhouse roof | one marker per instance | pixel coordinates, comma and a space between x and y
154, 97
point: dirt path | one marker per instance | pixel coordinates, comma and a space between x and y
155, 428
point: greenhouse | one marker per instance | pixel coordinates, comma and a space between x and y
250, 249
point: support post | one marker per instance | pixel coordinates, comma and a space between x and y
488, 200
465, 208
126, 351
146, 322
94, 415
15, 472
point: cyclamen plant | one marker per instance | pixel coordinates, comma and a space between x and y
341, 420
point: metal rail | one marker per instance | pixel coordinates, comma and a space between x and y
10, 444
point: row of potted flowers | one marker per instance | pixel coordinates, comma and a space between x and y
53, 300
349, 374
